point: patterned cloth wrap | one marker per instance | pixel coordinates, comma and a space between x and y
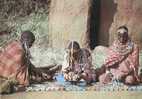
83, 64
122, 61
11, 63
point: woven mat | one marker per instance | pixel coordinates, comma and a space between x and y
61, 85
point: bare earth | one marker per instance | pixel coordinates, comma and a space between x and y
75, 95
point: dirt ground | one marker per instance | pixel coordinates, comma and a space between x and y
75, 95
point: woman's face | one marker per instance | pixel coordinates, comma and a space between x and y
122, 35
29, 43
73, 52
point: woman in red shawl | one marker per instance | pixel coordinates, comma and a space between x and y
122, 63
15, 62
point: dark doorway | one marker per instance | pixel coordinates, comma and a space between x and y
107, 12
100, 18
93, 23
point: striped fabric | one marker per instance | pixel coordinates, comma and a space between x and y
123, 64
11, 63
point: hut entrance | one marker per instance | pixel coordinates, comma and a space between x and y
100, 18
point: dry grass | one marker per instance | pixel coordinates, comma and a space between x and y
20, 15
11, 9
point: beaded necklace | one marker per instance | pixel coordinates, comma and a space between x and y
123, 49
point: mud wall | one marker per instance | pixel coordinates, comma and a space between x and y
67, 21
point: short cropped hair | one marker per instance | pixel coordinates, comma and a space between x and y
123, 27
27, 36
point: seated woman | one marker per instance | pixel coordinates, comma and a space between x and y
122, 62
78, 64
15, 62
